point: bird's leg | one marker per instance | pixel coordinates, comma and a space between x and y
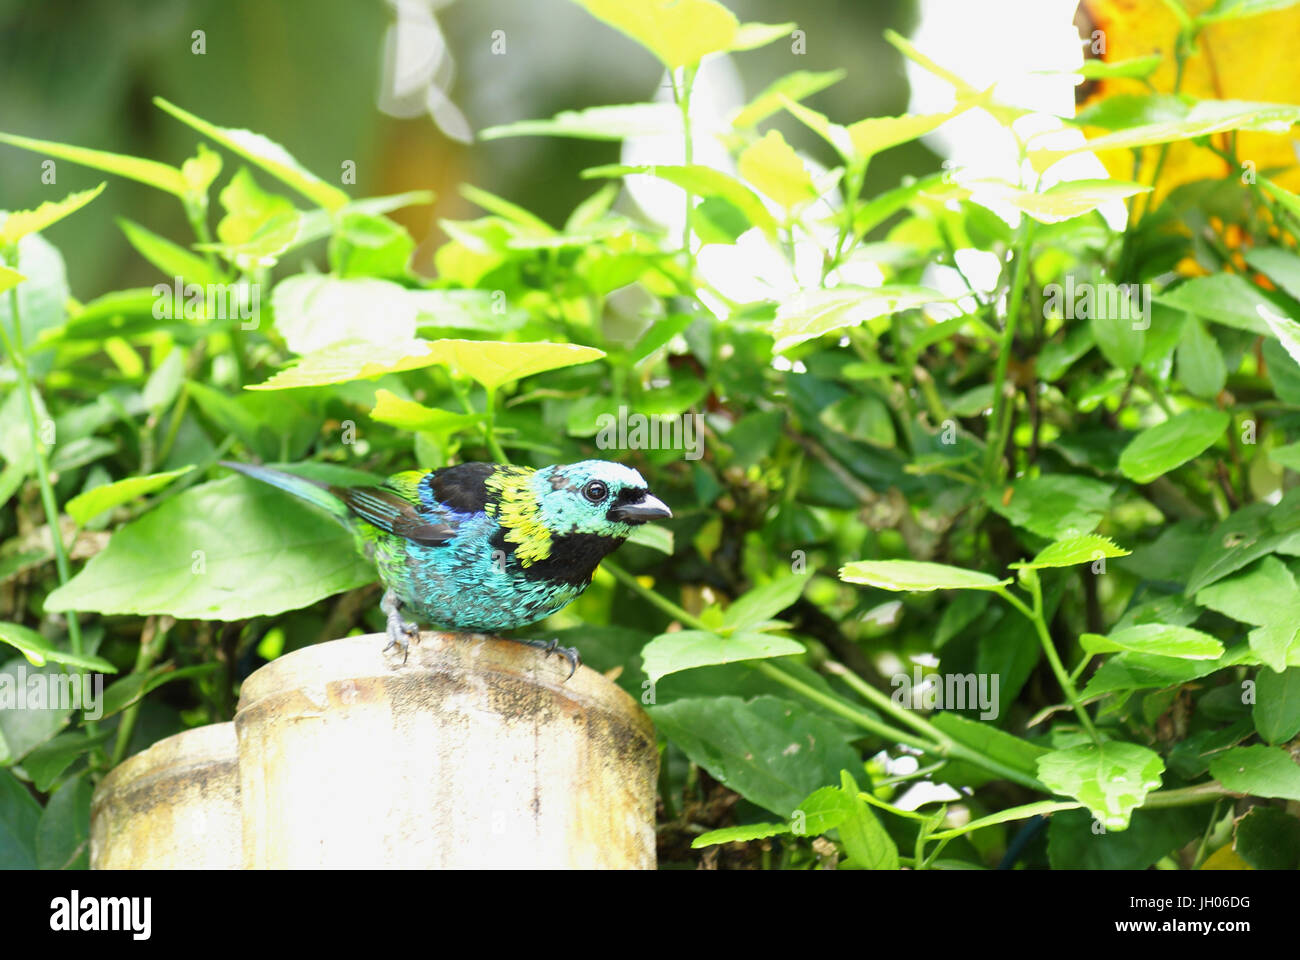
553, 646
400, 630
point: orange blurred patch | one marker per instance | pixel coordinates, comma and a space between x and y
1249, 59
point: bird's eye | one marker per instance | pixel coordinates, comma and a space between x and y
595, 491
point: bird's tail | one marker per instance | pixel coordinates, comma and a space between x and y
310, 490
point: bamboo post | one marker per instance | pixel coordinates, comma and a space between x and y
174, 805
475, 753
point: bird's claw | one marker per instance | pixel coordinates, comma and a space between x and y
568, 653
401, 634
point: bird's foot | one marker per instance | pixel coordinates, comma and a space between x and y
568, 653
401, 632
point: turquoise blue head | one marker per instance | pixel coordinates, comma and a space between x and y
595, 497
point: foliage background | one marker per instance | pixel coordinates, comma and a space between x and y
971, 478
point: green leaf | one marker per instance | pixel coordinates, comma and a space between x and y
868, 845
354, 360
1277, 704
9, 278
39, 651
772, 165
34, 706
1123, 110
1059, 203
773, 752
678, 32
226, 550
1205, 118
415, 417
1285, 329
749, 831
1259, 771
793, 86
370, 246
1285, 197
703, 182
492, 363
617, 122
160, 175
1281, 265
171, 259
46, 762
164, 383
815, 312
63, 834
258, 225
1055, 506
315, 311
1268, 839
1076, 550
876, 134
653, 537
1268, 597
823, 809
991, 742
20, 815
1111, 780
1075, 844
1134, 68
1137, 671
763, 603
915, 575
686, 649
1226, 298
1159, 449
1200, 361
1161, 639
85, 506
268, 155
751, 36
1119, 333
20, 223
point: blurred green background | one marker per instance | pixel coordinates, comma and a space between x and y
320, 77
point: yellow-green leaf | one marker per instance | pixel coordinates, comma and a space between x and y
679, 32
267, 154
160, 175
772, 165
90, 504
22, 222
9, 278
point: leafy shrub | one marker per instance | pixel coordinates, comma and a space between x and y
1062, 478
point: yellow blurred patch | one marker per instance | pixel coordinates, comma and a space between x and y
1249, 59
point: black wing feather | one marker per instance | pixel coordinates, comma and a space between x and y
390, 512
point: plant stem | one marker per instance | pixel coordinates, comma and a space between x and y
1035, 615
682, 94
18, 357
152, 640
997, 440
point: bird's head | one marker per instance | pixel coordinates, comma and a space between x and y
594, 497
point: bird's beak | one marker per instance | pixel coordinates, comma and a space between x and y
651, 508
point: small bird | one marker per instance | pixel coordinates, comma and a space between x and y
483, 546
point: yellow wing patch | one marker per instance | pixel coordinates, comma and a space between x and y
518, 512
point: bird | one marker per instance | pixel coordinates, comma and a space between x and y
482, 547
